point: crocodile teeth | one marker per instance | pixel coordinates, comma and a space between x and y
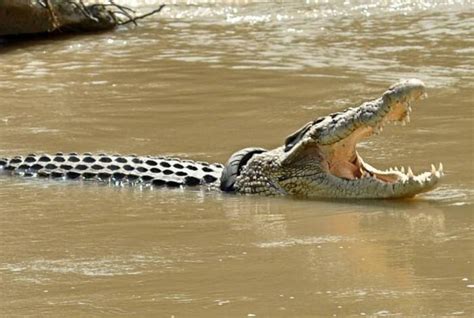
441, 169
407, 118
433, 169
410, 173
402, 169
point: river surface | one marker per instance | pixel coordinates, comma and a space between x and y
201, 81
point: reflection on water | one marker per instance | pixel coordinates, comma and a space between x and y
200, 81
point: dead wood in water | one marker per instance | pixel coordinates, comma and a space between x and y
134, 19
63, 16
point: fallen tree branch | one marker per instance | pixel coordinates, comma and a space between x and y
54, 19
82, 8
62, 16
134, 20
129, 13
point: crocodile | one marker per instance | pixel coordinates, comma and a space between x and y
319, 160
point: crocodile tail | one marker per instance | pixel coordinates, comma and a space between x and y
131, 169
3, 162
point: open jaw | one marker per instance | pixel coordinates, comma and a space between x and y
344, 163
324, 151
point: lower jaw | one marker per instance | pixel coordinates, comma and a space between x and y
383, 176
391, 183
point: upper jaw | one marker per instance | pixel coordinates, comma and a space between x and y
394, 105
370, 117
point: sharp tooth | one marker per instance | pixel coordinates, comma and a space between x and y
402, 169
410, 173
409, 108
440, 169
407, 118
433, 169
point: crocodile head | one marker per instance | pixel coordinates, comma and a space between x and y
321, 160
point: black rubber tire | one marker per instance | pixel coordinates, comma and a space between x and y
234, 166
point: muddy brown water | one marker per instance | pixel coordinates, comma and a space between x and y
201, 81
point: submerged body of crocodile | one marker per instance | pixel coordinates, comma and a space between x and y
318, 160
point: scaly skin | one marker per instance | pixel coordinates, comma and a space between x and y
318, 161
115, 169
